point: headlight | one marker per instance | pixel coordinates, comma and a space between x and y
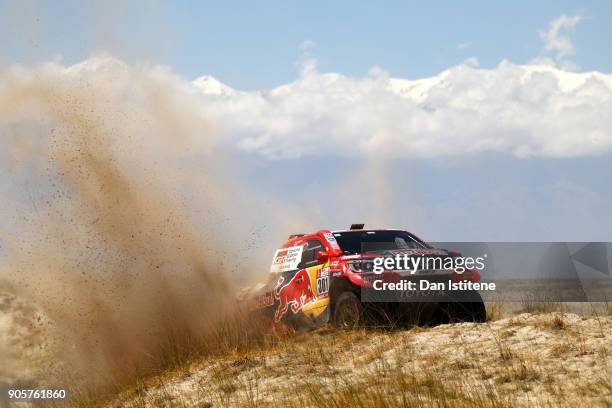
361, 265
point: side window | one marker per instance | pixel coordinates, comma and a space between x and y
309, 253
416, 243
404, 243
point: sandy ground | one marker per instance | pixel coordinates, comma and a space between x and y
528, 359
550, 359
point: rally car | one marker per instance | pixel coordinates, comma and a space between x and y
328, 277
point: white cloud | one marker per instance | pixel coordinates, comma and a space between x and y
534, 110
556, 38
522, 110
378, 72
463, 46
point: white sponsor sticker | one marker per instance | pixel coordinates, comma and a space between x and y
332, 241
286, 259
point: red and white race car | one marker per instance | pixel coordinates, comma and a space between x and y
329, 277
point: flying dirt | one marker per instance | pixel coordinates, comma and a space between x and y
97, 234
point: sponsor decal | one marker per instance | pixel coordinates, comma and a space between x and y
332, 241
265, 300
347, 257
295, 293
286, 259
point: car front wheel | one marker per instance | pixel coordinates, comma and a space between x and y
348, 311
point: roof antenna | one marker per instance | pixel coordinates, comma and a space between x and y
357, 226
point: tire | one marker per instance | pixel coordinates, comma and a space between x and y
348, 311
470, 312
475, 311
457, 312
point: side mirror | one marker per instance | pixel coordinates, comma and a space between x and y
322, 256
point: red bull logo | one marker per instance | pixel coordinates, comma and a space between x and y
295, 293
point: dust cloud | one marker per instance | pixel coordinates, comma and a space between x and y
104, 163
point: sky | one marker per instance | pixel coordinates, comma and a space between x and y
257, 45
462, 122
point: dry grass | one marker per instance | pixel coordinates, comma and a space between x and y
532, 305
607, 308
530, 360
394, 387
236, 335
493, 311
557, 322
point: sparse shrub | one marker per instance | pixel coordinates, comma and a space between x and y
493, 312
519, 372
558, 322
505, 353
533, 305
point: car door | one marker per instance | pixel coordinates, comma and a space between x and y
318, 273
302, 286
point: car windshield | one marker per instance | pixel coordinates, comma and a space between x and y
354, 242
